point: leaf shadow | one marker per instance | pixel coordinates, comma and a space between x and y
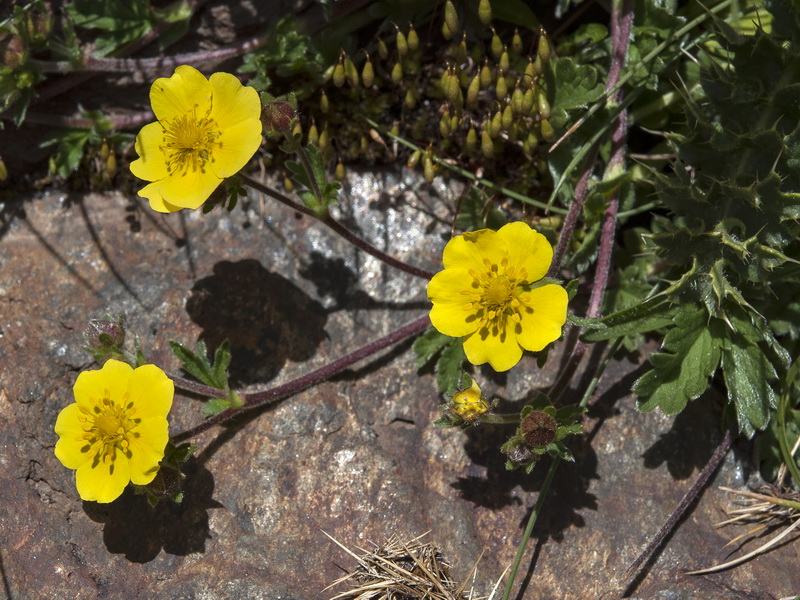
266, 318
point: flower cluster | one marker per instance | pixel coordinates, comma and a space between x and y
207, 130
116, 430
491, 292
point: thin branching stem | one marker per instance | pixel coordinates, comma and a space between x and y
340, 229
195, 387
156, 63
260, 399
687, 500
621, 23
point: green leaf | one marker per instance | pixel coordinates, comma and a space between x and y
450, 366
747, 372
197, 364
646, 316
575, 86
222, 360
681, 373
215, 406
428, 345
121, 22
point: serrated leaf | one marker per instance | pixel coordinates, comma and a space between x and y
681, 373
450, 366
427, 345
649, 315
747, 372
215, 406
222, 360
195, 364
575, 86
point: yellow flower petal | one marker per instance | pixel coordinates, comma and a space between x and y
147, 450
187, 190
239, 143
448, 314
150, 165
186, 91
546, 314
233, 103
103, 482
467, 251
527, 249
494, 345
109, 382
116, 431
69, 450
151, 392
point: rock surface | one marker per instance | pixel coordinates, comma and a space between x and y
356, 457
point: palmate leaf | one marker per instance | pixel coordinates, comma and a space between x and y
681, 373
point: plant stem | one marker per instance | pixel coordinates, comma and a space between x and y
621, 23
157, 63
529, 527
340, 229
270, 396
197, 388
683, 505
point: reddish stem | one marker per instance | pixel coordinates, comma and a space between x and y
259, 399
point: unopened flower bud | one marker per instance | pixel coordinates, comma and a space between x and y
520, 453
496, 124
469, 404
486, 75
350, 72
472, 91
501, 88
487, 144
543, 50
516, 42
428, 170
472, 140
504, 63
339, 76
105, 333
368, 73
3, 170
324, 103
339, 172
313, 134
324, 139
517, 104
383, 51
485, 11
451, 17
508, 117
538, 428
111, 164
548, 133
278, 117
402, 43
496, 45
397, 72
411, 98
413, 160
412, 38
543, 105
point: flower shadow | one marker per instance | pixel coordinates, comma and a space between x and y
133, 528
265, 317
494, 487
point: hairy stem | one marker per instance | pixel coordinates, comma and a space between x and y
683, 505
270, 396
340, 229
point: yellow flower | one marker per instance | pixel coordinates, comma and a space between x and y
207, 130
488, 294
469, 404
117, 430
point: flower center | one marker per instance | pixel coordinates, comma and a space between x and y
189, 142
108, 426
494, 294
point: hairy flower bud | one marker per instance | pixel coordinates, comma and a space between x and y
278, 117
485, 11
538, 428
